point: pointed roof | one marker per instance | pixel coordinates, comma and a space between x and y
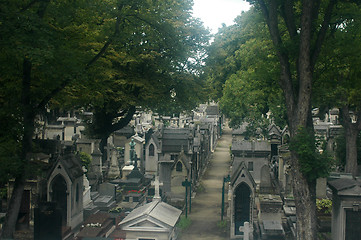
154, 211
274, 130
71, 165
242, 171
182, 157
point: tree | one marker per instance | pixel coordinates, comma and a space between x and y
249, 74
38, 59
155, 64
306, 24
53, 46
337, 83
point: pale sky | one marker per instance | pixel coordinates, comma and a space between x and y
215, 12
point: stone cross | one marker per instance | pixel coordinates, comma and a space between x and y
246, 231
156, 185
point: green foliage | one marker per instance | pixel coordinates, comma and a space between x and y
243, 73
116, 210
312, 164
324, 205
3, 192
338, 75
184, 222
223, 225
85, 159
340, 151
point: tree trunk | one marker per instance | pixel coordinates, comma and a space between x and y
351, 133
102, 144
13, 208
351, 151
304, 193
298, 95
28, 130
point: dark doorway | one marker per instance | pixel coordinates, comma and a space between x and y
59, 195
353, 223
242, 204
274, 150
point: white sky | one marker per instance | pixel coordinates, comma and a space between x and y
215, 12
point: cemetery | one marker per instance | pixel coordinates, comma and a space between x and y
139, 190
131, 119
262, 197
130, 192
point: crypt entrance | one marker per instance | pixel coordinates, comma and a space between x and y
242, 206
59, 195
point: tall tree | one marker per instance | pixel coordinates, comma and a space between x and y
51, 45
249, 73
154, 63
306, 23
337, 82
38, 59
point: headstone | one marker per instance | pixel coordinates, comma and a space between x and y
271, 229
114, 167
47, 222
105, 203
108, 189
321, 187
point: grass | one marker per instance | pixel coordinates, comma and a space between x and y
223, 225
184, 222
200, 188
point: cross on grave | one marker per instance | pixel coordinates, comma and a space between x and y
156, 185
188, 184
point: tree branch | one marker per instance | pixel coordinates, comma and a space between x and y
288, 16
55, 91
30, 4
322, 33
124, 121
286, 77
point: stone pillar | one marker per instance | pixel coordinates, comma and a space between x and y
114, 167
86, 190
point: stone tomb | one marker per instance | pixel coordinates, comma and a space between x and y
97, 225
271, 216
154, 220
65, 187
272, 230
346, 208
242, 201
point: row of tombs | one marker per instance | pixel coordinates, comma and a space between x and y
260, 196
69, 201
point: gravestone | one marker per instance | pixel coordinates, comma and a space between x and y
271, 229
104, 203
108, 189
265, 184
114, 166
47, 222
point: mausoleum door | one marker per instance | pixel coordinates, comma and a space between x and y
353, 223
59, 195
242, 204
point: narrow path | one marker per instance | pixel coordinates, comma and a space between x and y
206, 206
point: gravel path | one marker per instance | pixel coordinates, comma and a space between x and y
206, 206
